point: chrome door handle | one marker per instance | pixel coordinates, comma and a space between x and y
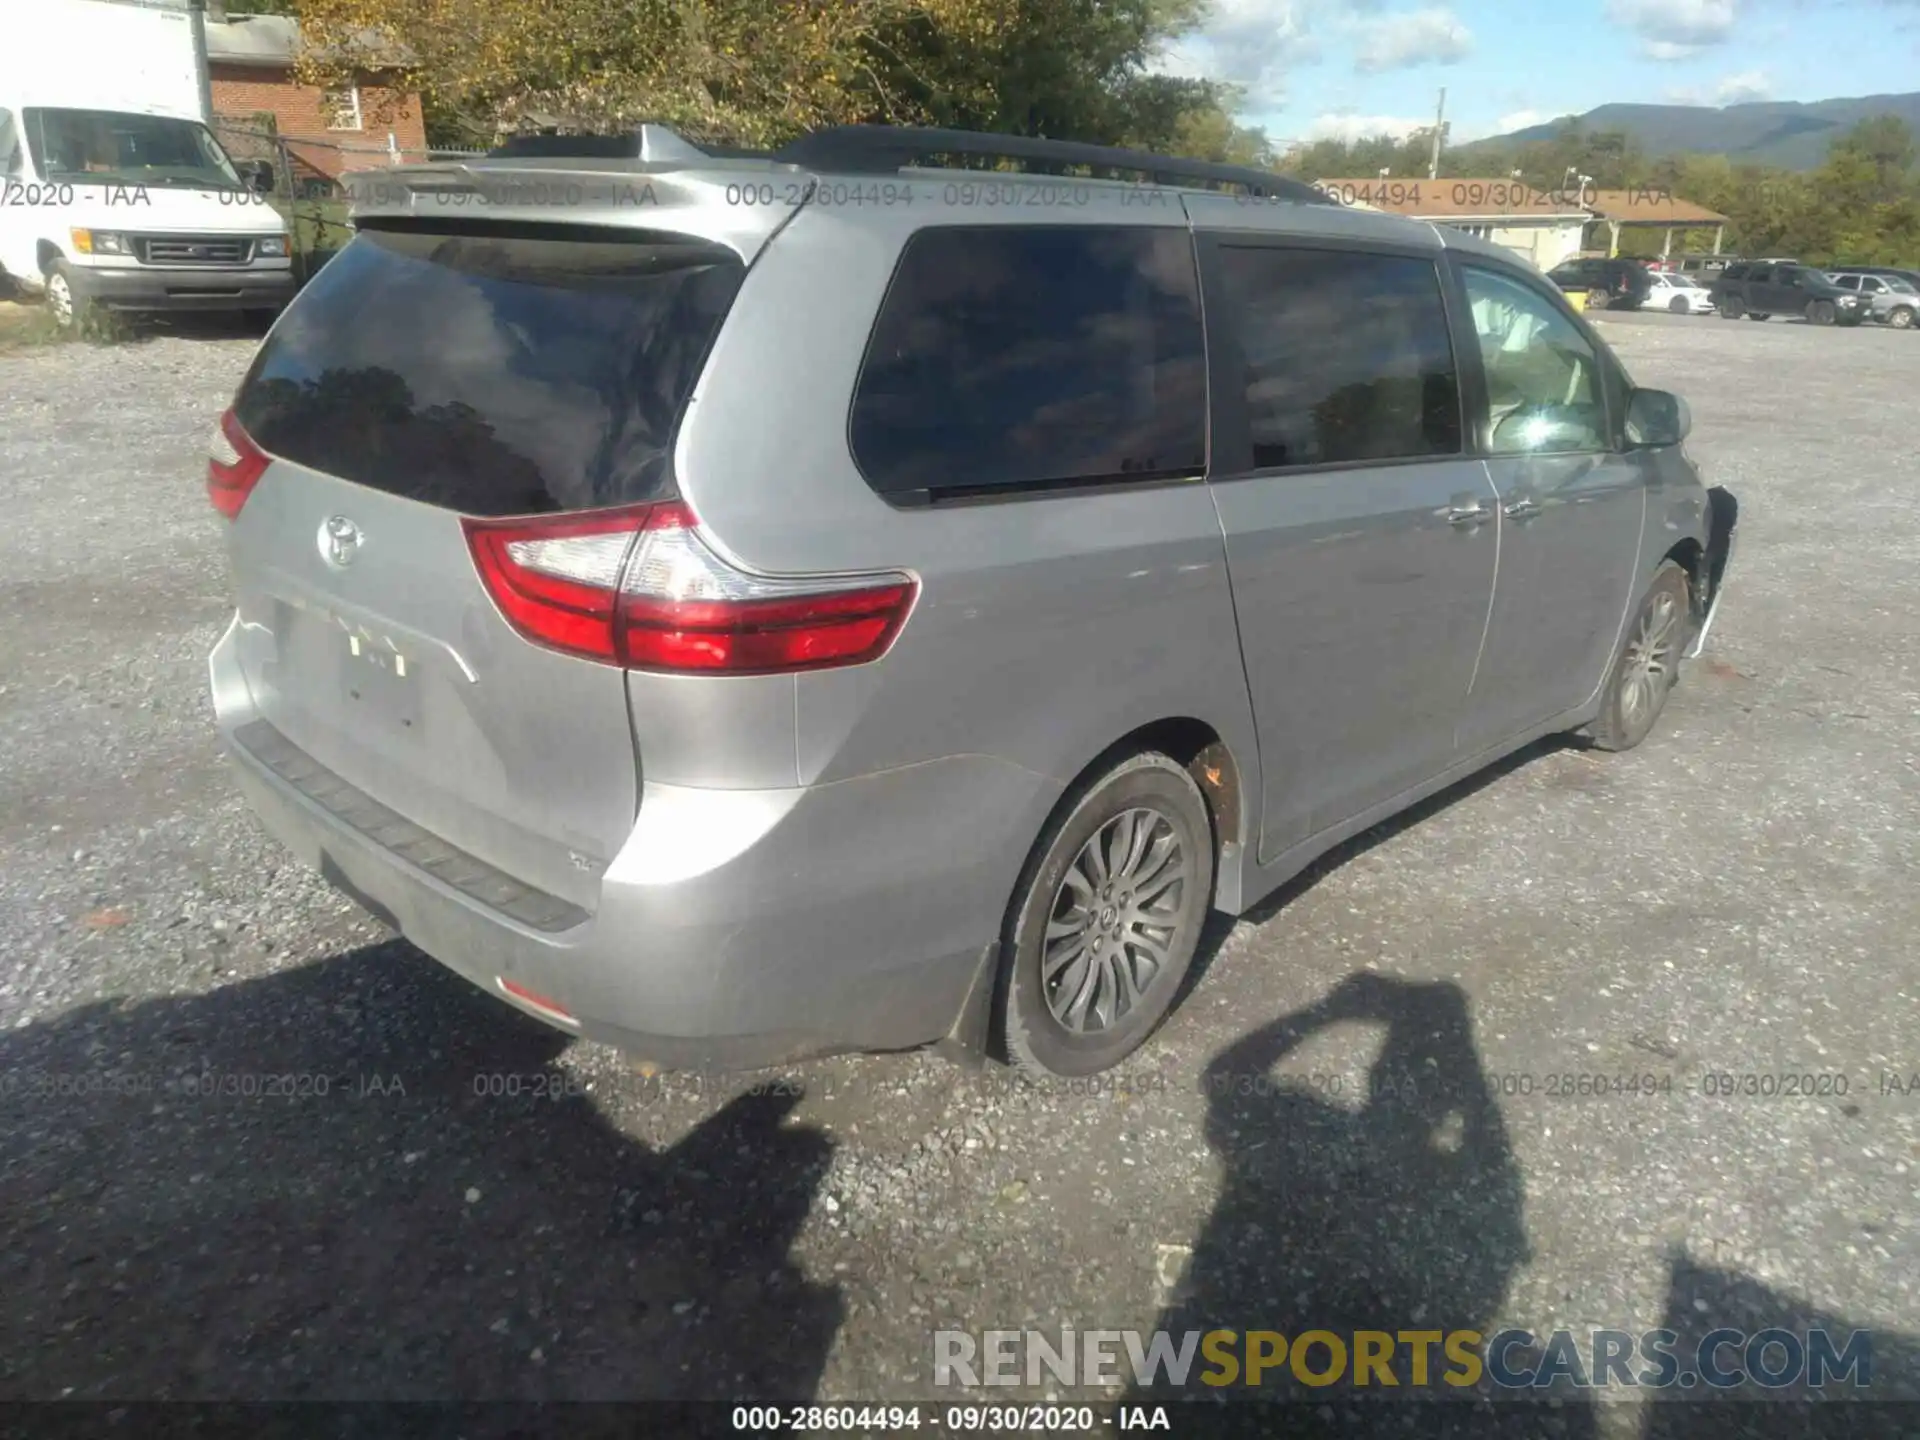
1524, 509
1465, 515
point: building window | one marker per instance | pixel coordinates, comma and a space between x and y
342, 108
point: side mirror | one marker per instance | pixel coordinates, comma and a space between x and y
1657, 418
258, 175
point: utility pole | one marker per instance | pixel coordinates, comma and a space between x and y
1439, 128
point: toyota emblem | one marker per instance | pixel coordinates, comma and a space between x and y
339, 541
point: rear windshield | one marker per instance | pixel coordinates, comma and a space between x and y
493, 374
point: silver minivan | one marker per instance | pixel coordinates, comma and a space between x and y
742, 608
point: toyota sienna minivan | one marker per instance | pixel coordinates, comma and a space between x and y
742, 608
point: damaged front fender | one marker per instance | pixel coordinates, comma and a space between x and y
1723, 525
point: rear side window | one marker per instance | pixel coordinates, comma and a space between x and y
1347, 356
494, 374
1008, 358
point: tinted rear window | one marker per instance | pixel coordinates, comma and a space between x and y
1015, 358
493, 374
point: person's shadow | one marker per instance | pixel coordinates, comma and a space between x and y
1396, 1209
361, 1180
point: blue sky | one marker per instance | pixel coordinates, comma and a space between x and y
1313, 68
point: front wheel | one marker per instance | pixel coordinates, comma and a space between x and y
1901, 317
1732, 308
1597, 299
1821, 312
1648, 664
69, 307
1678, 305
1106, 920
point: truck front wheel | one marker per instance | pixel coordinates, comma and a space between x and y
69, 306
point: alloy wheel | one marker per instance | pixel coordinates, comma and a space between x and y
1649, 661
1113, 921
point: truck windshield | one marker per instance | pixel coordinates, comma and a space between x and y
110, 147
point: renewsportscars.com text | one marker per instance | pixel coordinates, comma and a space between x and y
1723, 1359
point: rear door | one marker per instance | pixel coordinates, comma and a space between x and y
424, 376
1571, 505
1360, 534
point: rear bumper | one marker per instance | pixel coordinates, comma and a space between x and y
182, 289
735, 929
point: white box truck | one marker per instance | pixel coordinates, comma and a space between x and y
113, 192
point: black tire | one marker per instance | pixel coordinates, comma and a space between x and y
1901, 317
1821, 312
1732, 308
70, 308
1678, 305
1037, 1041
1628, 708
1759, 314
1597, 299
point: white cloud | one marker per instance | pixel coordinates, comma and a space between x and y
1344, 125
1413, 37
1249, 43
1744, 88
1676, 29
1520, 120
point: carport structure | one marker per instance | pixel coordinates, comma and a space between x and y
1650, 207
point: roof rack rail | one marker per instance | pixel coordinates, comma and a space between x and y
652, 142
879, 149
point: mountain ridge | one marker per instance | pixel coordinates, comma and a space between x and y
1789, 133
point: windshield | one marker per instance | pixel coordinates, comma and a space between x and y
109, 147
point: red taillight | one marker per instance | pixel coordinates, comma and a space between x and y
234, 466
638, 587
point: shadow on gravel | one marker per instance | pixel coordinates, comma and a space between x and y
1402, 1209
1396, 1210
357, 1211
1702, 1299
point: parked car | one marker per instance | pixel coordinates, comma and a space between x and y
1607, 284
1678, 293
1906, 273
1760, 289
739, 632
1701, 268
1895, 301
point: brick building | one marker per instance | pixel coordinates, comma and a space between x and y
328, 132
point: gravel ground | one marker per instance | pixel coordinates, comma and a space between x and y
1735, 897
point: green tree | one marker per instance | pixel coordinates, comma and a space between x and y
759, 71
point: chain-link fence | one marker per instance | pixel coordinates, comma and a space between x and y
307, 177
